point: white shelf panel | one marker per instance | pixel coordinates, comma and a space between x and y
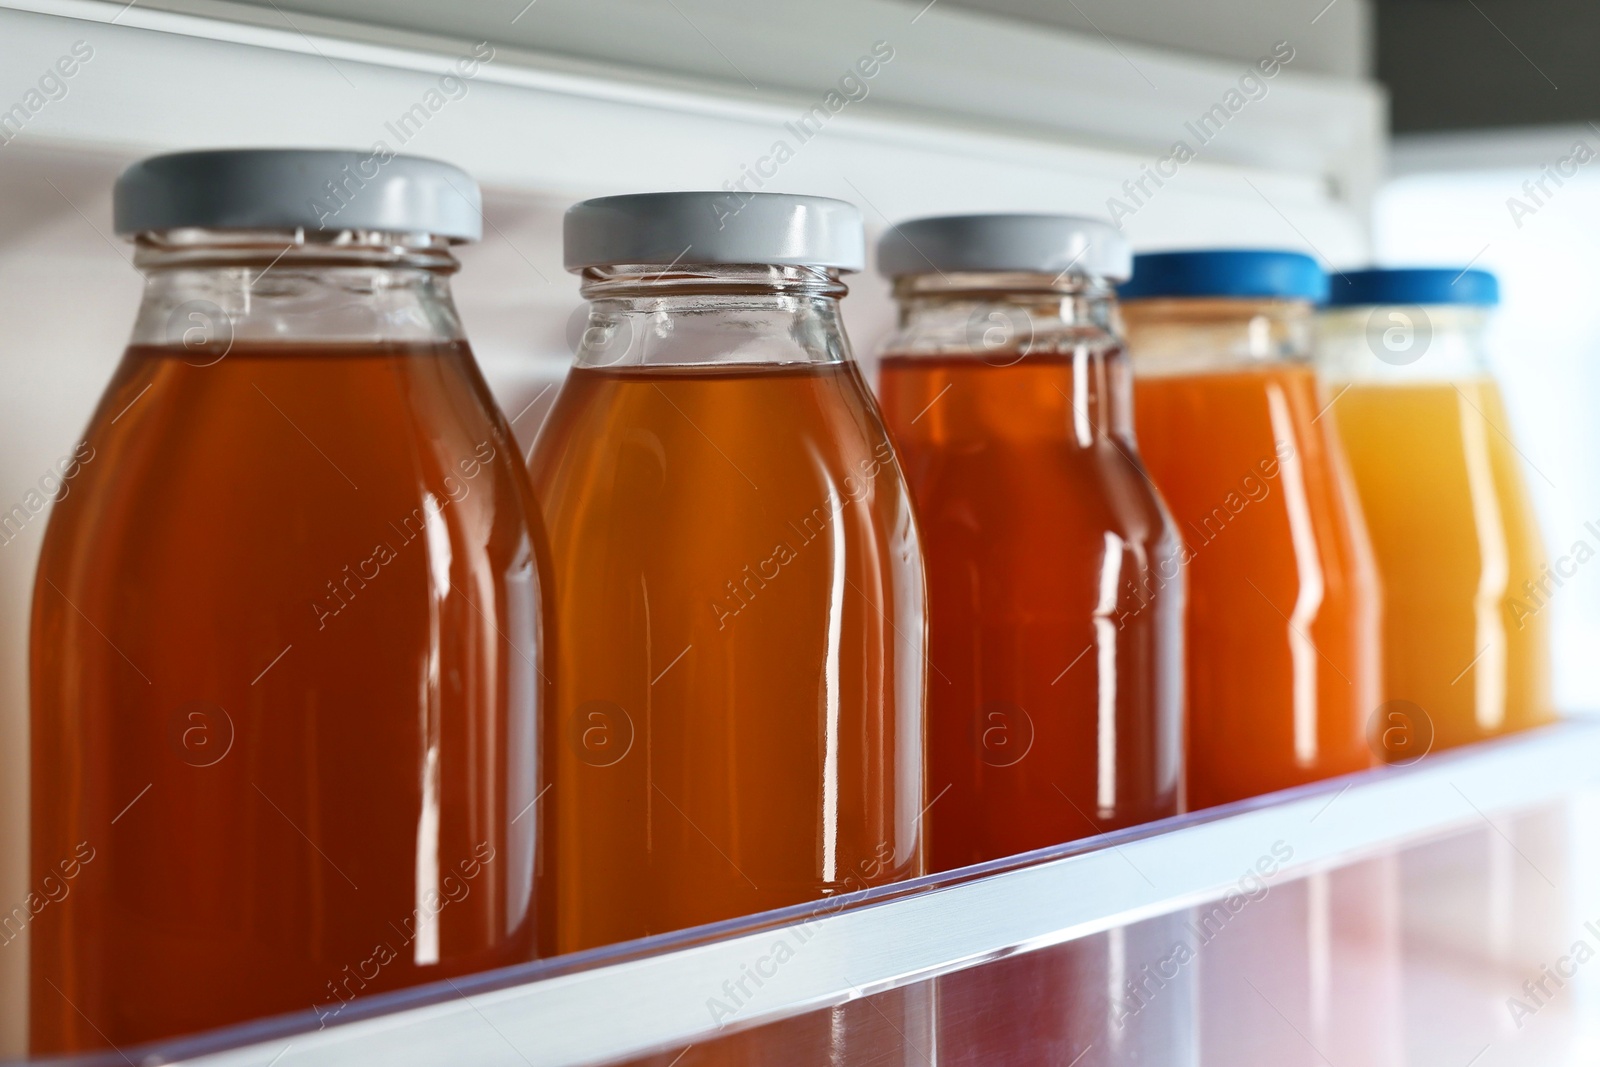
1295, 171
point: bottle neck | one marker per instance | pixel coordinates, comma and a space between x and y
206, 290
1054, 342
709, 315
999, 314
1206, 334
1402, 344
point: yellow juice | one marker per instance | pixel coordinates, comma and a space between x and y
1466, 619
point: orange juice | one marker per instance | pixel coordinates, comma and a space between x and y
1283, 593
1283, 645
1458, 546
1443, 487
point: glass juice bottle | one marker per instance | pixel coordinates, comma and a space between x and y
1466, 651
1283, 629
737, 582
1055, 594
286, 644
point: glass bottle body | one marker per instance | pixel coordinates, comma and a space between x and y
1464, 569
286, 651
1056, 594
739, 604
1283, 629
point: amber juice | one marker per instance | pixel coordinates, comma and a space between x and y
738, 648
285, 669
1283, 645
1055, 598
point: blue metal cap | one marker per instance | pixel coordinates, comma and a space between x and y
1258, 273
1415, 285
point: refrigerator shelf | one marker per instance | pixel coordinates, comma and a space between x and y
669, 991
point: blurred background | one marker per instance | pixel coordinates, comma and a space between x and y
1401, 132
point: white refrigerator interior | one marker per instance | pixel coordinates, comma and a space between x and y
966, 111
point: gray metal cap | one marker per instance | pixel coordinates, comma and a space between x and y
291, 188
715, 227
1034, 244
